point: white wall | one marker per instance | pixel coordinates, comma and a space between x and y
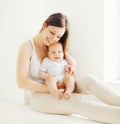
119, 37
11, 35
21, 19
111, 40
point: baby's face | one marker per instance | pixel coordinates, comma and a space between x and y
55, 52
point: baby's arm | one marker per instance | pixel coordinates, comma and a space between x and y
43, 74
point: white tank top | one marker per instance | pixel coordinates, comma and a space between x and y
34, 65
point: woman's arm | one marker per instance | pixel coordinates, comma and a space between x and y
69, 59
24, 55
71, 67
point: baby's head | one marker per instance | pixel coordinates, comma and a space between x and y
55, 52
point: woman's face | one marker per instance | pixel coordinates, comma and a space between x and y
52, 34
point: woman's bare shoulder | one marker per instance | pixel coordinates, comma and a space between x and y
25, 48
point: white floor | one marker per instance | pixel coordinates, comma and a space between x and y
16, 113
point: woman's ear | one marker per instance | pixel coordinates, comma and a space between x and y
44, 26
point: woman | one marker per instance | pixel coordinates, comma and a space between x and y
31, 53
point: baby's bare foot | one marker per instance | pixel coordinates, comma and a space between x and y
67, 95
59, 93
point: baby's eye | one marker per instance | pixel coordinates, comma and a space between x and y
59, 51
53, 52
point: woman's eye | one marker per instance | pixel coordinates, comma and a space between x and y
52, 33
58, 37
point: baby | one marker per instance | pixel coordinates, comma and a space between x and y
53, 71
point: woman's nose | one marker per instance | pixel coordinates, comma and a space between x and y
53, 39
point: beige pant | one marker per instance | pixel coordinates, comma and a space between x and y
80, 104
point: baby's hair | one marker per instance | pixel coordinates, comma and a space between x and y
54, 44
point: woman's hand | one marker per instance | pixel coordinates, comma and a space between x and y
69, 69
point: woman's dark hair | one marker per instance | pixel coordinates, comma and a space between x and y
60, 20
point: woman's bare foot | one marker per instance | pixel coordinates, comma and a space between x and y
67, 95
59, 93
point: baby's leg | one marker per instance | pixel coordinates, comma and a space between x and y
70, 85
52, 87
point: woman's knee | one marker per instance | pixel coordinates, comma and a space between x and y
86, 79
83, 82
